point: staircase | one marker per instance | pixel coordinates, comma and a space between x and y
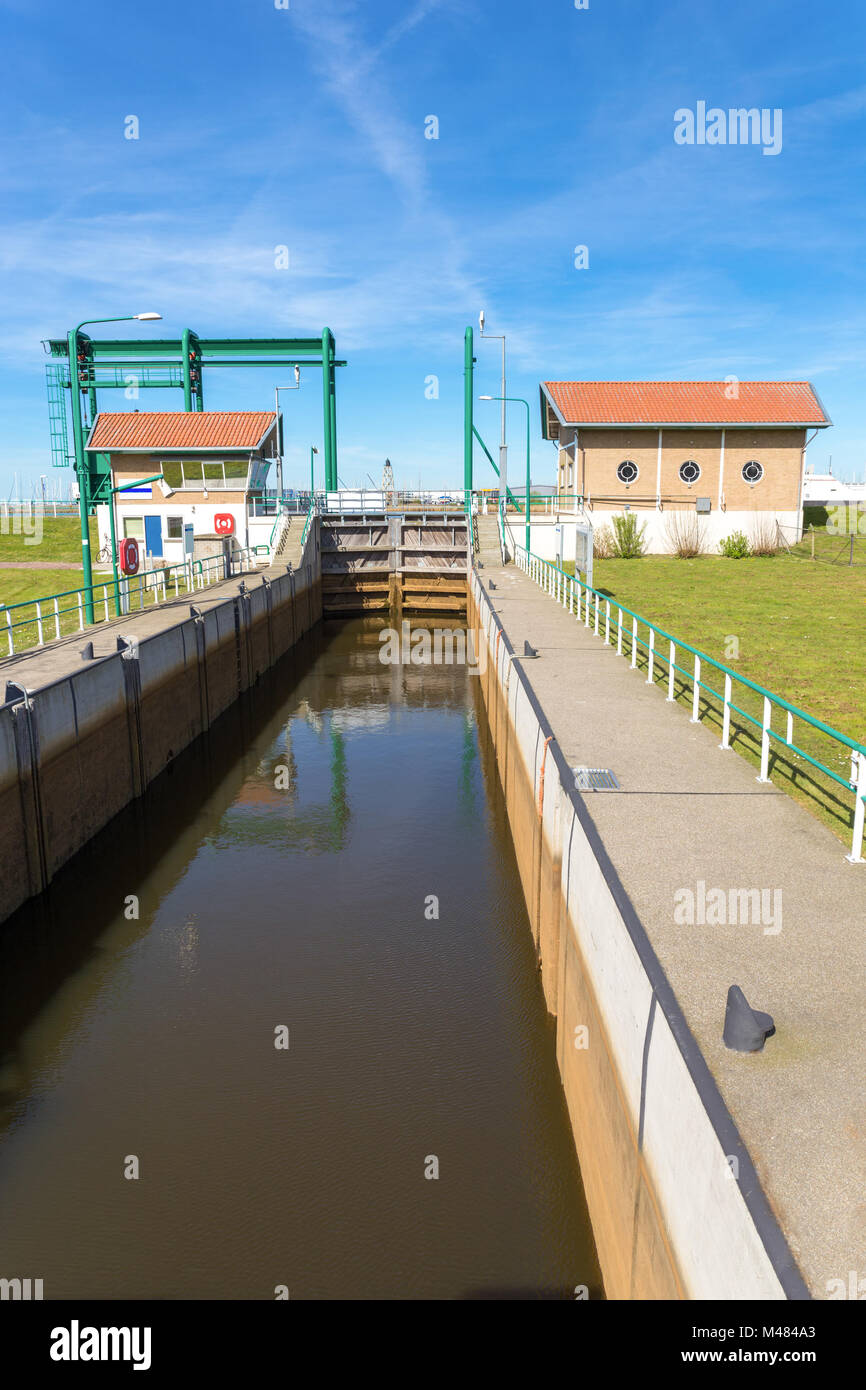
487, 548
288, 547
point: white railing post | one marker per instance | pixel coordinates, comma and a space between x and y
10, 633
596, 614
789, 734
80, 612
634, 642
105, 600
856, 855
726, 715
765, 741
607, 621
672, 659
39, 623
651, 651
619, 632
696, 693
56, 618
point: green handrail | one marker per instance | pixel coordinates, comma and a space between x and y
794, 711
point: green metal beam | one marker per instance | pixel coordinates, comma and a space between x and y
468, 406
210, 347
495, 465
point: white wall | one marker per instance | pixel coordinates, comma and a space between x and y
199, 514
713, 528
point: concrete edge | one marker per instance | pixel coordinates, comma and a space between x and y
757, 1204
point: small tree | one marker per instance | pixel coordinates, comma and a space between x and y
603, 543
685, 535
628, 542
736, 546
765, 537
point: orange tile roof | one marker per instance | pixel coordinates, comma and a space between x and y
685, 403
179, 429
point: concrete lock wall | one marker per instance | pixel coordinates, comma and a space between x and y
74, 752
675, 1202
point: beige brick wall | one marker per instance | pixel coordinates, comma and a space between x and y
600, 452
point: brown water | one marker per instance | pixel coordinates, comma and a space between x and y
293, 898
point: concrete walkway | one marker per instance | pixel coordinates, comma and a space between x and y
41, 665
689, 813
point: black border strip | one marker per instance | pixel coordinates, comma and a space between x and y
757, 1204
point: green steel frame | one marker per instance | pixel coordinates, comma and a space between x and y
83, 365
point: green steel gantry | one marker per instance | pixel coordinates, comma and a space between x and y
124, 363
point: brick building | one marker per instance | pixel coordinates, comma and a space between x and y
214, 465
732, 453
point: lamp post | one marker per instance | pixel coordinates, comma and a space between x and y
313, 452
78, 443
154, 478
277, 390
503, 447
528, 483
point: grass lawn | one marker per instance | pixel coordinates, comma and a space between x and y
60, 541
793, 626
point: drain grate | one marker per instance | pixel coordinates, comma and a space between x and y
595, 779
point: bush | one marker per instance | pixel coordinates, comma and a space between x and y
603, 543
685, 535
736, 546
765, 538
628, 541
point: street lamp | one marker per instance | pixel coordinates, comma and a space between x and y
78, 443
528, 483
503, 448
277, 390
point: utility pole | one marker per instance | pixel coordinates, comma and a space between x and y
503, 447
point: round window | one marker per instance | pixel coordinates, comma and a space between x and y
690, 471
627, 472
753, 472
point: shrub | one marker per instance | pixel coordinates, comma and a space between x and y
685, 535
736, 546
765, 537
628, 541
603, 543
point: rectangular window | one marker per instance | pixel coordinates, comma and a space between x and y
174, 528
133, 527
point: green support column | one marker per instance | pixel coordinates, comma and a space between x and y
81, 473
468, 397
333, 399
330, 482
191, 364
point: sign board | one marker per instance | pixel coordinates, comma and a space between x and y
224, 523
188, 538
583, 551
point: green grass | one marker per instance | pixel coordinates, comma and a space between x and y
790, 625
60, 541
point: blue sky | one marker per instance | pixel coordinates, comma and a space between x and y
305, 127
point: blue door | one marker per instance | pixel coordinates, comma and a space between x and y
153, 535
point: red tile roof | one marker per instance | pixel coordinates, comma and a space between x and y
169, 430
685, 403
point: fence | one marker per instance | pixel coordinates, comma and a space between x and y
606, 616
34, 621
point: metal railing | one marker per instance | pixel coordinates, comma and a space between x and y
605, 617
307, 524
33, 622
